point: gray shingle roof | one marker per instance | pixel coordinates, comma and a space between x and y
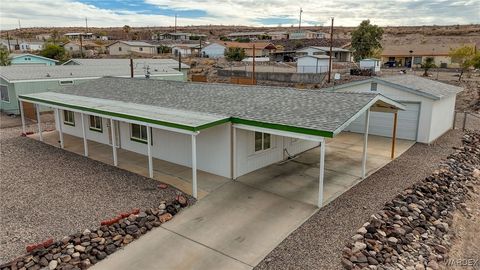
308, 109
415, 83
22, 72
135, 43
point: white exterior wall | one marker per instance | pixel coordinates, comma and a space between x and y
248, 160
127, 49
426, 105
311, 51
214, 51
100, 137
375, 64
312, 65
183, 51
442, 117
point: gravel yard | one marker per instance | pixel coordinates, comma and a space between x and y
48, 192
318, 243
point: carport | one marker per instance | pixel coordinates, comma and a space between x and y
192, 110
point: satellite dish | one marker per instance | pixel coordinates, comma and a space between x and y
337, 76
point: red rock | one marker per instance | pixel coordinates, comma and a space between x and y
165, 217
163, 186
135, 211
182, 200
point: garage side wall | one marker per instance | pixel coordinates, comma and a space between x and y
442, 117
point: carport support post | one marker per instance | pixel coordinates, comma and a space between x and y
394, 135
84, 132
149, 151
234, 153
321, 173
365, 143
37, 108
114, 148
194, 166
22, 115
59, 126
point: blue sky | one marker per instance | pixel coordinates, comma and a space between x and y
107, 13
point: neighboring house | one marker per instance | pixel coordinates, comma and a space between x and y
222, 129
430, 106
138, 62
214, 50
313, 64
30, 46
16, 80
403, 55
177, 36
339, 54
302, 34
262, 49
370, 63
128, 47
185, 49
31, 59
76, 36
9, 44
72, 47
278, 35
43, 37
249, 35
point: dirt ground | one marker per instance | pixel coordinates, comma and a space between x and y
465, 251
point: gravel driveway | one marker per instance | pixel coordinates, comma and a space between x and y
318, 243
48, 192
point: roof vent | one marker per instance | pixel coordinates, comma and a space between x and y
48, 75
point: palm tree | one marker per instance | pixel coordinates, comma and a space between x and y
126, 30
428, 64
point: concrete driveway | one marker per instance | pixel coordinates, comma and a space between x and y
233, 227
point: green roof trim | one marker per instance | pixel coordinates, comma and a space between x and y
308, 131
294, 129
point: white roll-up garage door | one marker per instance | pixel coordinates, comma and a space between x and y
382, 123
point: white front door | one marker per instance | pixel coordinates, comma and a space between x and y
117, 133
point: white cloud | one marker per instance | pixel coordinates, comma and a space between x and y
244, 12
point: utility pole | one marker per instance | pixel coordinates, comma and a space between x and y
331, 48
81, 46
175, 28
131, 67
86, 25
180, 61
8, 42
300, 20
253, 67
19, 25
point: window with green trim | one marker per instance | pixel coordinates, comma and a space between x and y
68, 118
138, 133
96, 123
262, 141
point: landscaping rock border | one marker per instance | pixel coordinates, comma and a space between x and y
81, 250
412, 231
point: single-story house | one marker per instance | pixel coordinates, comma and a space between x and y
30, 46
152, 63
214, 50
370, 63
430, 106
339, 54
76, 36
43, 37
11, 44
261, 48
185, 49
250, 35
31, 59
313, 64
278, 35
223, 129
403, 55
127, 47
18, 79
304, 34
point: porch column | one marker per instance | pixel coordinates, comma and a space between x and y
365, 143
84, 131
234, 153
59, 126
394, 135
194, 166
114, 148
321, 173
37, 108
149, 151
22, 115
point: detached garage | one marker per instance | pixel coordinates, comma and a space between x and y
430, 107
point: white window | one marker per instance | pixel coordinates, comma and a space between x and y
65, 82
138, 133
69, 118
373, 87
4, 93
96, 123
262, 141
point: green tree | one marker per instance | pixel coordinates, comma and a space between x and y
54, 51
224, 38
4, 56
235, 54
366, 39
427, 65
466, 57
